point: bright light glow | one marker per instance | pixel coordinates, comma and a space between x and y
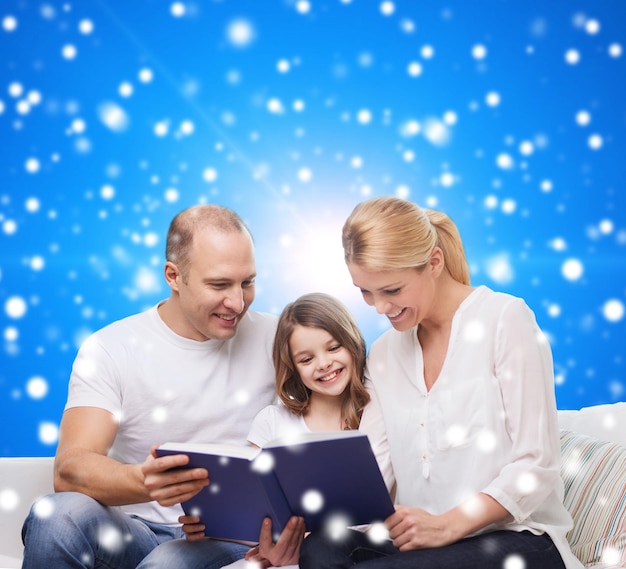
312, 501
492, 99
15, 307
414, 69
240, 33
479, 51
572, 269
113, 116
613, 310
387, 8
572, 56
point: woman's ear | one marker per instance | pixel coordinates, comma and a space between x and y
437, 263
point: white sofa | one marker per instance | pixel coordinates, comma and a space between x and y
593, 450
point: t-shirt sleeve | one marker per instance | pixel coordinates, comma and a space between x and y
94, 381
263, 427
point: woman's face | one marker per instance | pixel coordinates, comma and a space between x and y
404, 296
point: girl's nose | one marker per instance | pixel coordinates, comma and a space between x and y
324, 363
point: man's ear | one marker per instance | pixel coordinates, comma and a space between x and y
173, 276
437, 263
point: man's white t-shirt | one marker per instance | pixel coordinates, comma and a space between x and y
488, 424
162, 387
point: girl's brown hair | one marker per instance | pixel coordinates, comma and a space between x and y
318, 310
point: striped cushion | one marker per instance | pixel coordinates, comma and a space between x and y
594, 475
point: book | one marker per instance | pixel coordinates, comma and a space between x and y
331, 479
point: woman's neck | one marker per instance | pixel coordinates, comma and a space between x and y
450, 295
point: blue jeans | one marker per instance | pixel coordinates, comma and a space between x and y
486, 551
71, 530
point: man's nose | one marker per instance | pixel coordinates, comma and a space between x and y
234, 299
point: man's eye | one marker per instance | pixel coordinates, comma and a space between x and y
247, 284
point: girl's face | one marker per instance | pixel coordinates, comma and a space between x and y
404, 296
323, 364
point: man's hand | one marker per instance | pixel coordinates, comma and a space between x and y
194, 530
285, 551
169, 487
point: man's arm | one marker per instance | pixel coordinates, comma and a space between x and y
82, 465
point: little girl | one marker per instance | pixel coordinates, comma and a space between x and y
319, 356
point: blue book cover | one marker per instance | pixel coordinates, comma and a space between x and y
327, 478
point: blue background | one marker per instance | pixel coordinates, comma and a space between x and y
510, 116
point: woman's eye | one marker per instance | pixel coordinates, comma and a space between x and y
393, 291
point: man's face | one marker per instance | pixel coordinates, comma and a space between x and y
219, 285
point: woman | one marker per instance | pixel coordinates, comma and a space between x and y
466, 391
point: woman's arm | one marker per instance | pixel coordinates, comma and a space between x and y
414, 528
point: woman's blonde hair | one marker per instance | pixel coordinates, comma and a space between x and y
318, 310
389, 233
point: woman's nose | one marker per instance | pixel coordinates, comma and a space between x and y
382, 306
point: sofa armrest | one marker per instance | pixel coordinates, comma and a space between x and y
22, 481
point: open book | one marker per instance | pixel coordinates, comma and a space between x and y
331, 479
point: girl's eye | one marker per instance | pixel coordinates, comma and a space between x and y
335, 348
305, 360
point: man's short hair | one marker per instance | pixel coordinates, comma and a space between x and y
189, 221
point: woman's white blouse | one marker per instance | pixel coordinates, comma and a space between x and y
488, 424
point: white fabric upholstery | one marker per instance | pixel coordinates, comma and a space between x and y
22, 481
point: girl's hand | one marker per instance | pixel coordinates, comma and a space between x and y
192, 527
285, 551
414, 528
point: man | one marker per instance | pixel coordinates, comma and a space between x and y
195, 368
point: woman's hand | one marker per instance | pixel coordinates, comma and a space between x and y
192, 527
414, 528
